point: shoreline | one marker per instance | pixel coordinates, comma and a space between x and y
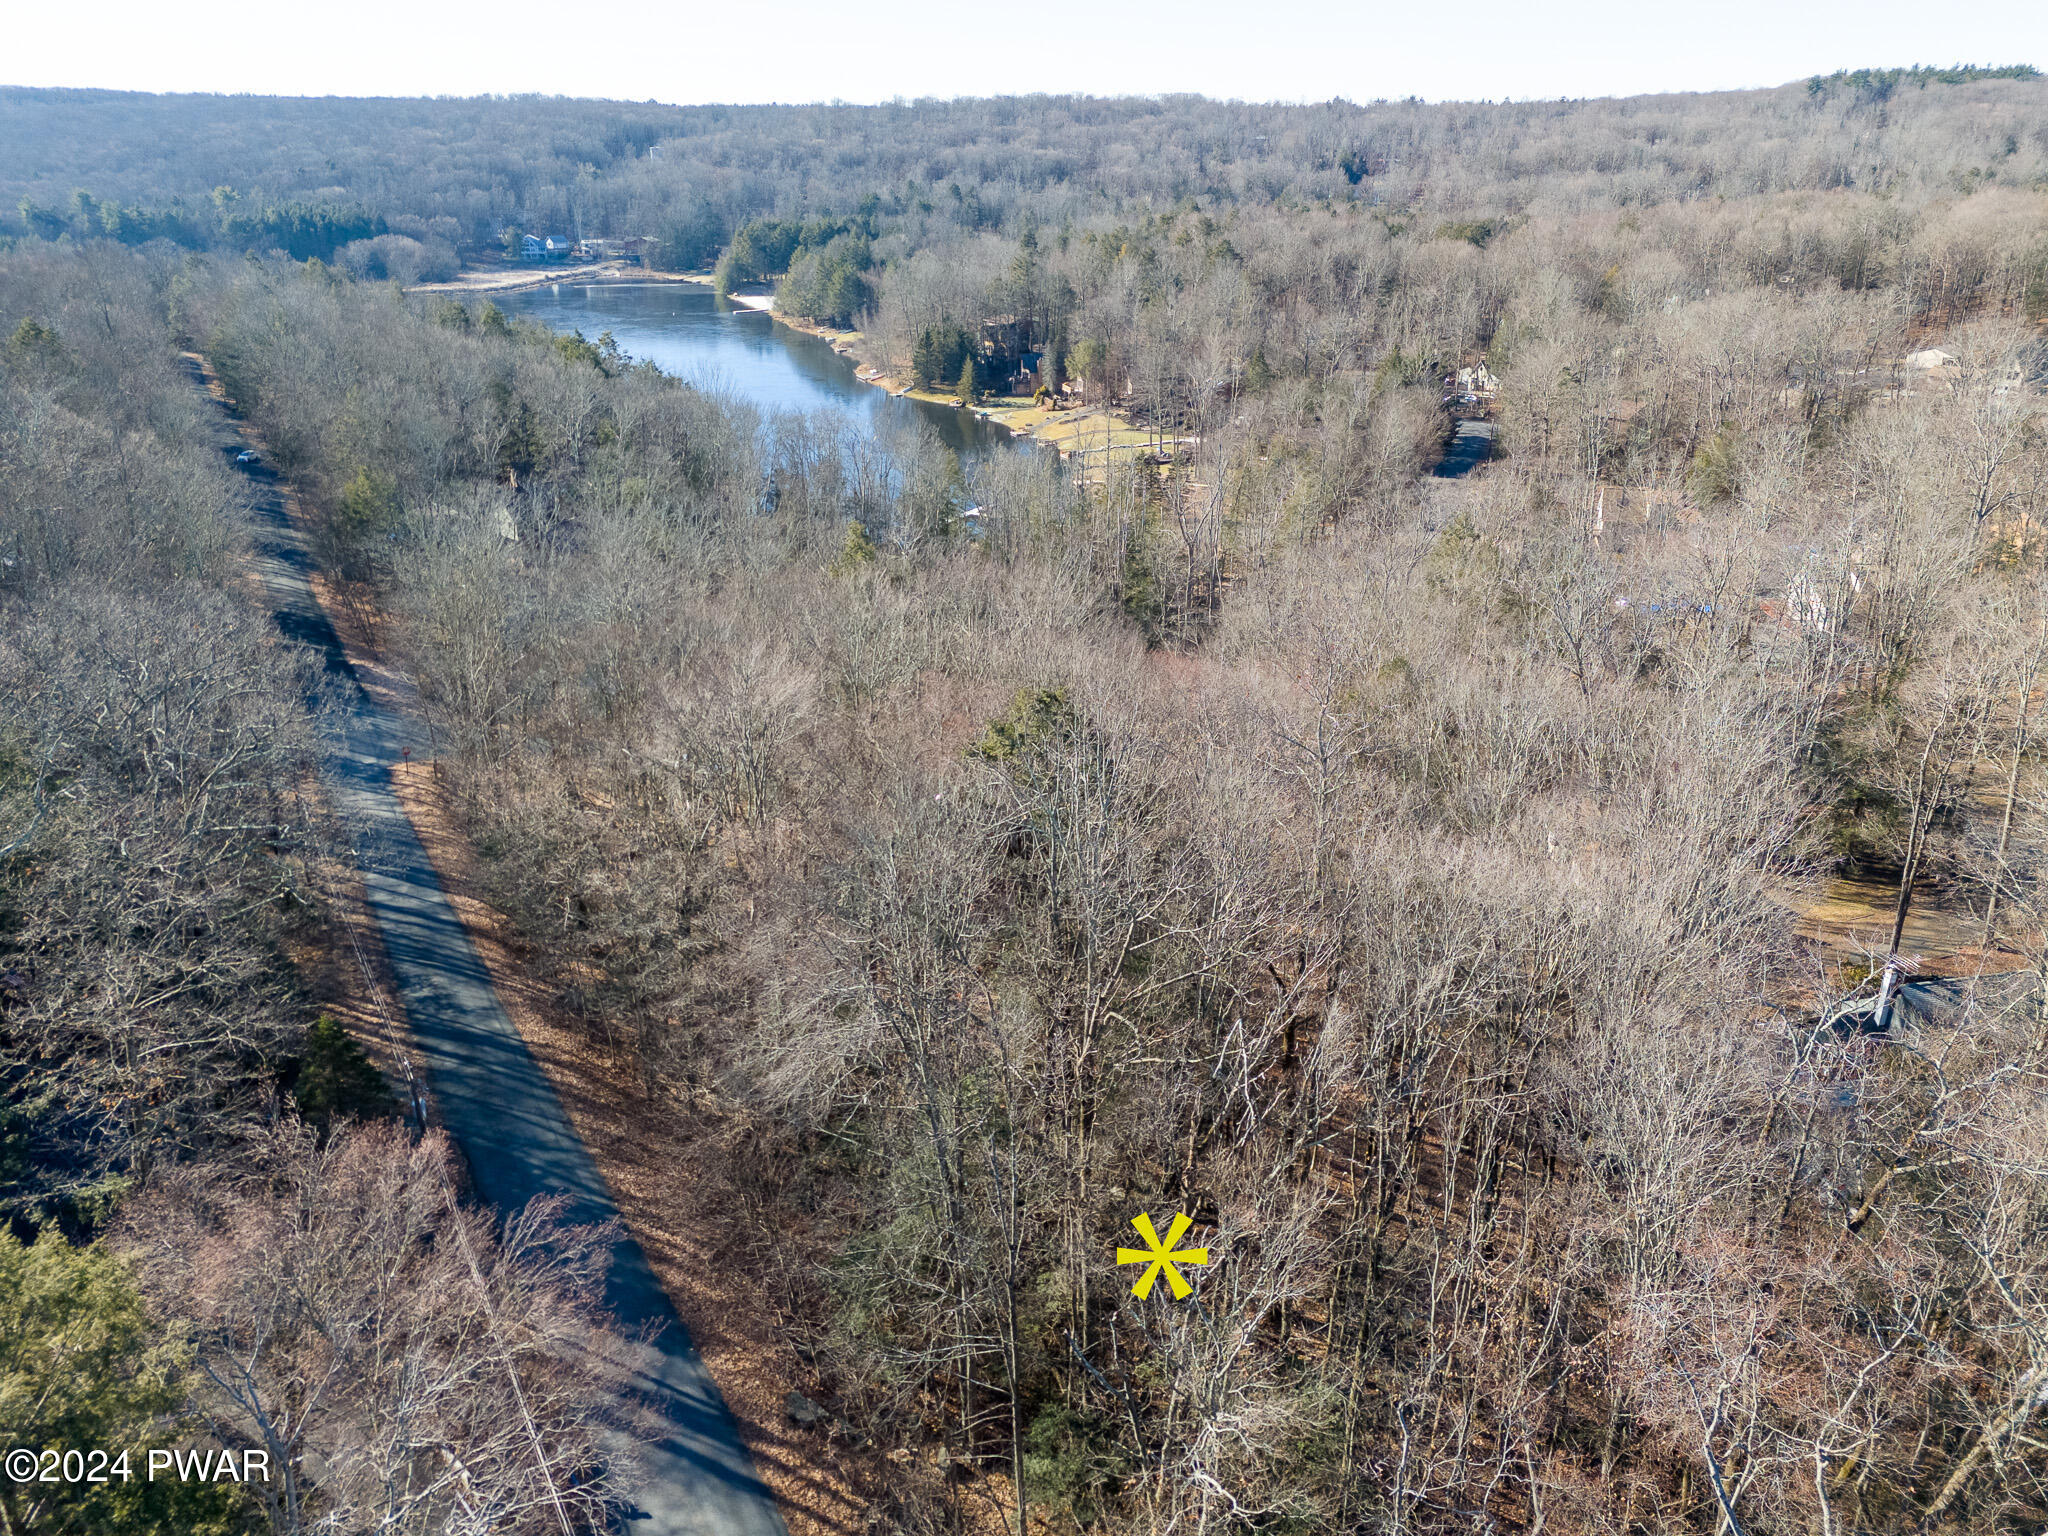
487, 280
1072, 430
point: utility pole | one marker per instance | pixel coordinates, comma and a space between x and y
1916, 838
2012, 783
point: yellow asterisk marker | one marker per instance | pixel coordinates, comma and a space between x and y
1160, 1256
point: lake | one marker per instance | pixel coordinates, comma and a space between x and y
688, 332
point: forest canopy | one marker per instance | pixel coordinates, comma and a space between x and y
1571, 937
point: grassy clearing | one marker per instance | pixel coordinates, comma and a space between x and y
1079, 431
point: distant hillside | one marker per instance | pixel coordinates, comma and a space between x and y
462, 170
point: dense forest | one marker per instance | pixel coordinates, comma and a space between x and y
1406, 877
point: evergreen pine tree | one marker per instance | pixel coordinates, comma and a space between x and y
1050, 372
336, 1077
968, 390
83, 1364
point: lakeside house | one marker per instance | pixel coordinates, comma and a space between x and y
632, 250
545, 248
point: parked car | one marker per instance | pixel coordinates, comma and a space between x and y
247, 456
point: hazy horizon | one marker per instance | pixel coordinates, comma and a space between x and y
814, 53
840, 102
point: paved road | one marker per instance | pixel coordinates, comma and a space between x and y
495, 1101
1471, 445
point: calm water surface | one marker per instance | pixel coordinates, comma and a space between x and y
685, 331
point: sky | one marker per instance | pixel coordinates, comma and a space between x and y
875, 50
